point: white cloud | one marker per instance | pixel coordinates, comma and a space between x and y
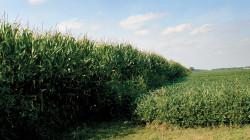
179, 28
245, 42
203, 29
155, 26
176, 43
221, 52
99, 13
136, 21
70, 24
96, 27
142, 32
36, 1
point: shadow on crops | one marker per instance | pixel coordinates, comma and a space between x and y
178, 80
172, 82
104, 130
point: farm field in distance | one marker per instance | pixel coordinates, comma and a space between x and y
203, 98
212, 86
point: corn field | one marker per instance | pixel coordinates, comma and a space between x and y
201, 99
50, 82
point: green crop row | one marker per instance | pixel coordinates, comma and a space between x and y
204, 99
50, 82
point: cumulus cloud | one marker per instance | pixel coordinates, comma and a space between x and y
176, 43
70, 24
203, 29
137, 21
96, 27
177, 29
36, 1
142, 32
245, 42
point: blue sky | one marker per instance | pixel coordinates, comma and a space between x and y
197, 33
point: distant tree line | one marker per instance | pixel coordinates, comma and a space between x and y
233, 68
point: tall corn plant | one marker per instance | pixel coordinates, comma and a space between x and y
52, 72
62, 81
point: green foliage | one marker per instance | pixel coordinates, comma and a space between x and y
204, 99
50, 82
17, 116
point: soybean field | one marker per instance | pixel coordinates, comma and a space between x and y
209, 98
